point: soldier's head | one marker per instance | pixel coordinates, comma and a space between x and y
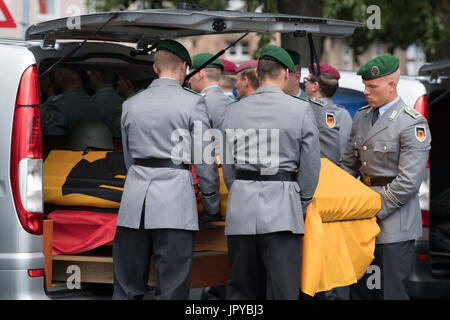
227, 79
125, 87
323, 85
171, 60
66, 78
246, 78
208, 75
274, 65
102, 79
380, 77
293, 85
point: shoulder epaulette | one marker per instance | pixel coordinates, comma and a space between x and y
413, 113
317, 101
192, 91
301, 98
364, 108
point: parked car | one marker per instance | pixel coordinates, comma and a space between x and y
429, 94
23, 64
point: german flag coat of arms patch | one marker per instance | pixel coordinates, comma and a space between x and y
421, 133
331, 120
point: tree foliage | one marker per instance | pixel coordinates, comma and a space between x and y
403, 22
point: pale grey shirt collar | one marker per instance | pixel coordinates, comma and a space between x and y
213, 86
388, 105
168, 78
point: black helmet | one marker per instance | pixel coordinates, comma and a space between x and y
90, 134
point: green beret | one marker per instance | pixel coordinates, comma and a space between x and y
176, 48
278, 54
295, 56
201, 58
379, 67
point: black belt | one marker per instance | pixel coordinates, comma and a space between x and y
376, 181
161, 163
257, 176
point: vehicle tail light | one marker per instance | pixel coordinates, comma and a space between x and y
426, 218
26, 154
421, 106
34, 273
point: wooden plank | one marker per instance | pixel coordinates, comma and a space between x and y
47, 250
211, 240
208, 269
84, 258
90, 272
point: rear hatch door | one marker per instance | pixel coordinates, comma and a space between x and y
133, 26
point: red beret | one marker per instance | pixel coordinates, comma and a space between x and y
249, 64
230, 67
329, 70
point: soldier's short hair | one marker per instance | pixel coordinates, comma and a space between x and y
167, 61
228, 81
251, 76
269, 69
213, 74
328, 85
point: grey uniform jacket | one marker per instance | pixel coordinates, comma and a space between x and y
216, 101
334, 124
258, 207
396, 146
155, 124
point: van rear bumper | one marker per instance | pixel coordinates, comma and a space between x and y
15, 283
421, 283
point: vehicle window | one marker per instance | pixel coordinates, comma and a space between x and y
352, 100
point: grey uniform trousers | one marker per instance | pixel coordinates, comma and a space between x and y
264, 266
172, 250
394, 261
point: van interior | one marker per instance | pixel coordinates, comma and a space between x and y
438, 88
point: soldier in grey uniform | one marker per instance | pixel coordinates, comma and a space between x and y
293, 87
107, 100
269, 136
333, 120
388, 150
158, 212
206, 83
63, 112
